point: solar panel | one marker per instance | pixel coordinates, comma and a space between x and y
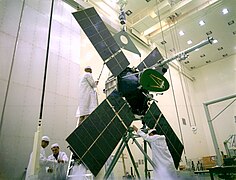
102, 40
96, 137
155, 119
153, 58
117, 63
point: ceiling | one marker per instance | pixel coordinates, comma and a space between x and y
157, 21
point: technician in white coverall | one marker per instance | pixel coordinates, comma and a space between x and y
87, 104
164, 165
59, 159
87, 96
42, 161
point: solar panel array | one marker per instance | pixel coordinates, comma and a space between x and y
153, 58
102, 40
96, 137
155, 119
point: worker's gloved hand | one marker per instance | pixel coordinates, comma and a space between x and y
60, 161
50, 170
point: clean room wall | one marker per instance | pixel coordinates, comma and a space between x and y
216, 81
21, 113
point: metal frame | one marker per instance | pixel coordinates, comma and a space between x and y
209, 120
232, 138
124, 143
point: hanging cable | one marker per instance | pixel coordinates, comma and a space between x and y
173, 92
185, 82
46, 62
162, 33
177, 48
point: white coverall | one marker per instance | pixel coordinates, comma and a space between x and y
78, 172
58, 169
42, 166
165, 169
87, 96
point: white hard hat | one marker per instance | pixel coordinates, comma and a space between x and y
54, 145
45, 138
88, 67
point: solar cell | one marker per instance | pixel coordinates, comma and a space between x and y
152, 59
117, 63
102, 40
94, 140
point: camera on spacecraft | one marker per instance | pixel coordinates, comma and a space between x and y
122, 17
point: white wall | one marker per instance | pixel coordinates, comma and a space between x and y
22, 106
216, 81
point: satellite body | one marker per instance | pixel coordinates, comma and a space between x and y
95, 139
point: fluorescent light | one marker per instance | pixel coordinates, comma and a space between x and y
215, 41
189, 42
225, 11
197, 49
181, 33
201, 23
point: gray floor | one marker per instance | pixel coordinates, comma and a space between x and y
189, 175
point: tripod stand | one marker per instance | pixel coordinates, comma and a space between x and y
124, 143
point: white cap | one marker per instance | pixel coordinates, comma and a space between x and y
88, 67
45, 138
54, 145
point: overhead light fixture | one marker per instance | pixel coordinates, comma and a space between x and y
193, 67
220, 48
234, 32
203, 55
208, 33
163, 42
208, 61
231, 22
172, 50
128, 12
189, 41
201, 23
215, 41
225, 11
181, 33
225, 55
